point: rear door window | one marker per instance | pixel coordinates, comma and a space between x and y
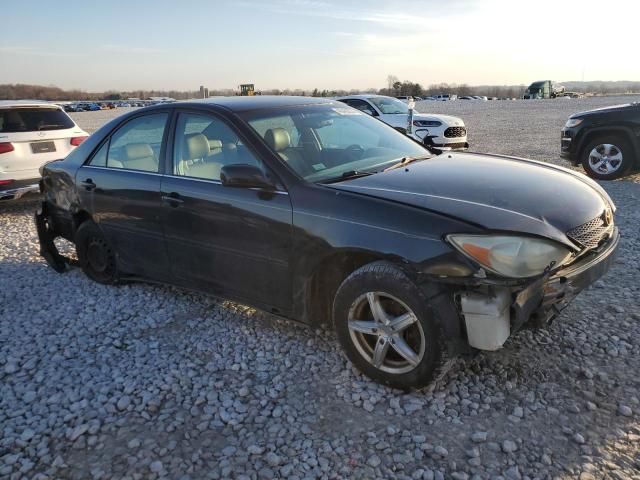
137, 144
33, 119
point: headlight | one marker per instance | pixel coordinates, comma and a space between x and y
573, 122
427, 123
511, 256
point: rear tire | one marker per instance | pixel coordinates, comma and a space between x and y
95, 255
387, 327
607, 157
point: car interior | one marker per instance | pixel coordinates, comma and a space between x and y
315, 145
203, 153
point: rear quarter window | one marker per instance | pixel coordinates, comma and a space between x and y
33, 119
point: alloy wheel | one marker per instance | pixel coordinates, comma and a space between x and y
605, 158
386, 332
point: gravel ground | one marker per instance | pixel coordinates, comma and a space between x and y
142, 381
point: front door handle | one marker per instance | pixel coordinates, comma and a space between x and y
173, 199
88, 185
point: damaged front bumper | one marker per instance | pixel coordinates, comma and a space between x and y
493, 312
542, 300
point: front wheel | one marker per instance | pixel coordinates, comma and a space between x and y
607, 158
387, 327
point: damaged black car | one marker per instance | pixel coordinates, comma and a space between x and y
311, 210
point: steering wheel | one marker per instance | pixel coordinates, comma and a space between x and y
355, 151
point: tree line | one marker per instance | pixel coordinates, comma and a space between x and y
394, 87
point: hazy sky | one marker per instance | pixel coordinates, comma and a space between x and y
141, 44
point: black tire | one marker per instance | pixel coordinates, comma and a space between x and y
386, 279
619, 145
95, 255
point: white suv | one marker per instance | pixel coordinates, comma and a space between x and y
32, 133
442, 131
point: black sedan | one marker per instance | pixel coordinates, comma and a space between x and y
314, 211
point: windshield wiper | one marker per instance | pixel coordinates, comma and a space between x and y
347, 175
406, 161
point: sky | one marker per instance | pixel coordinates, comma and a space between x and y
345, 44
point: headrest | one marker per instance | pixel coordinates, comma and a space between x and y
134, 151
277, 138
195, 146
215, 144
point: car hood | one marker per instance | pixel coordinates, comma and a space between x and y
446, 119
611, 108
494, 192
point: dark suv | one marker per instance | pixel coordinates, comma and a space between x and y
606, 141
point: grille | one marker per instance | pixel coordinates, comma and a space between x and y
453, 132
591, 233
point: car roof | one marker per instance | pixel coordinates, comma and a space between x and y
257, 102
26, 103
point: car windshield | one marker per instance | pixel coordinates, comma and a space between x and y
324, 143
33, 119
390, 106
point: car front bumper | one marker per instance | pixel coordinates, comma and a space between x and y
493, 310
19, 188
544, 299
568, 145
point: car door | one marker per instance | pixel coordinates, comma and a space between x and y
234, 242
120, 186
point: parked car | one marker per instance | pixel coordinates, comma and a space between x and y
605, 140
31, 134
444, 131
407, 99
73, 107
466, 97
311, 210
445, 97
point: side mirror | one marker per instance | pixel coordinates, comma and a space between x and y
245, 176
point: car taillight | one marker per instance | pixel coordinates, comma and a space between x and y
6, 147
75, 141
4, 183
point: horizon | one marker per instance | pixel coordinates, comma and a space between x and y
296, 89
307, 44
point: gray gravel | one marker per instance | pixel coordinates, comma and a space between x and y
142, 381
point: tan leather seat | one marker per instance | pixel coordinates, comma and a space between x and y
139, 156
280, 141
199, 157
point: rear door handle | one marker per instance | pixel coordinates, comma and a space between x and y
173, 199
88, 184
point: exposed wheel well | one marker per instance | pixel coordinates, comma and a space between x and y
325, 281
79, 218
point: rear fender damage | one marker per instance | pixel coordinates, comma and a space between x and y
46, 237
